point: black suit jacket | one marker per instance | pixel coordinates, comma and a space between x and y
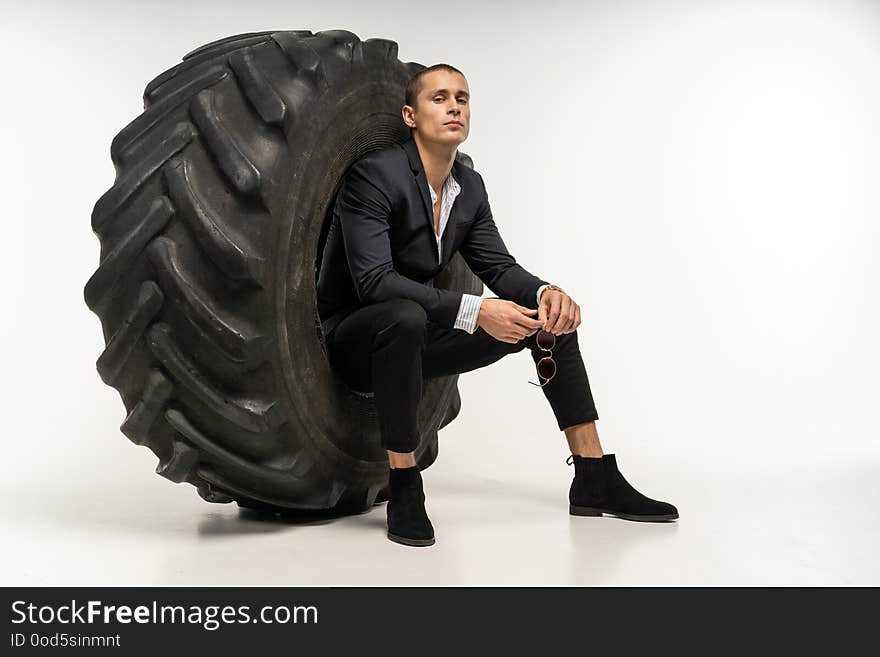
381, 243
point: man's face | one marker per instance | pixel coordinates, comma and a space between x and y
442, 113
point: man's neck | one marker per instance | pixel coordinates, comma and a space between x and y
437, 160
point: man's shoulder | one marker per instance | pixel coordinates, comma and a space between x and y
467, 175
383, 167
387, 165
385, 157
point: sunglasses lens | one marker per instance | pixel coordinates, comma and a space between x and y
545, 340
546, 368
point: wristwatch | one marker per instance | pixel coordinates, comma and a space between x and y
553, 287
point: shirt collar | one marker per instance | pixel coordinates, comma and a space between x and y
450, 185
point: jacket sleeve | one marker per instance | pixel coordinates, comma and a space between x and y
487, 256
363, 209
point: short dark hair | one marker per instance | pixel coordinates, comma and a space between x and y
414, 86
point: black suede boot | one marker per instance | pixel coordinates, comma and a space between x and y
408, 521
599, 487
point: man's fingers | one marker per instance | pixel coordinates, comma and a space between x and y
566, 316
569, 315
563, 321
553, 315
523, 319
526, 322
572, 322
522, 327
575, 314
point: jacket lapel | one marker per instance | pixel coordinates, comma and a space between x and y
420, 180
449, 233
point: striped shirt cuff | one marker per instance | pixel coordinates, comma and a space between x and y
468, 312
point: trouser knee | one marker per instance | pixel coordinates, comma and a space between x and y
564, 344
403, 319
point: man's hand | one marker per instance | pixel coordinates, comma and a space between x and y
558, 313
507, 321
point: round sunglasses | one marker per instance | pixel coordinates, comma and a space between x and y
546, 366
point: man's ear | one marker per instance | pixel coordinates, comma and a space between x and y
406, 113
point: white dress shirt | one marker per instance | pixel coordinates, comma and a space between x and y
469, 310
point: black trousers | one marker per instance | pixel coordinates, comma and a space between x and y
388, 348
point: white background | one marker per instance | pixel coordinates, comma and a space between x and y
702, 177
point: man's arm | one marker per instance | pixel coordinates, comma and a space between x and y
488, 257
469, 312
363, 210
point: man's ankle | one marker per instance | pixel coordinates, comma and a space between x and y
401, 459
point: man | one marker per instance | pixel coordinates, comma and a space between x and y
400, 215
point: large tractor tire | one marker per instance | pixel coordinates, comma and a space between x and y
211, 238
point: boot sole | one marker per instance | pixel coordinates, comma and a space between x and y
591, 511
416, 542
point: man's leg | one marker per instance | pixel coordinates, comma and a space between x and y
571, 375
450, 351
389, 347
378, 349
598, 486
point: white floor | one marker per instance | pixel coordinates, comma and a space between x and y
752, 519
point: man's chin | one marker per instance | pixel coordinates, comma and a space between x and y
446, 140
453, 139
